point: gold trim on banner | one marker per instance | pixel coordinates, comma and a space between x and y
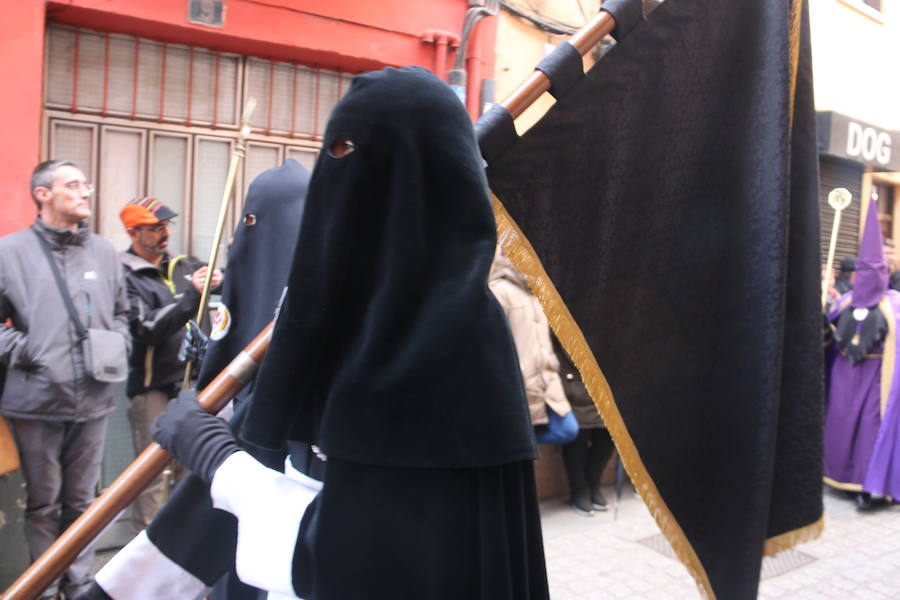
520, 252
796, 28
889, 353
788, 540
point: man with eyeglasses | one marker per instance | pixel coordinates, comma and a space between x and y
164, 292
56, 407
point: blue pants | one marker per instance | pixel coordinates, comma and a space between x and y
560, 430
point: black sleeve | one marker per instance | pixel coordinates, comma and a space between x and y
152, 326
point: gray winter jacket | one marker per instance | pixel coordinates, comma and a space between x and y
46, 377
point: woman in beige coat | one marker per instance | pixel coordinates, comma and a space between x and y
550, 411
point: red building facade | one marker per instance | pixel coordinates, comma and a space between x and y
148, 101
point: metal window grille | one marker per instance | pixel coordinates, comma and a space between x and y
120, 75
292, 99
258, 158
143, 117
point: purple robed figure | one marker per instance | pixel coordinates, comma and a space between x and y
883, 477
861, 420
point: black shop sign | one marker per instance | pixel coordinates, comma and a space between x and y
846, 137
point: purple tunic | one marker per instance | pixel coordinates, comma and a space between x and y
852, 420
858, 444
883, 476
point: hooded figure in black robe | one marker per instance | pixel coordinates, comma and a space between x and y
393, 357
188, 546
259, 263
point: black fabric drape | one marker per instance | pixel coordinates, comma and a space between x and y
436, 534
671, 197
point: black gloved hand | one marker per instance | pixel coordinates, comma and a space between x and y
193, 344
198, 439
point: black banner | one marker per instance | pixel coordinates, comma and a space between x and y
671, 197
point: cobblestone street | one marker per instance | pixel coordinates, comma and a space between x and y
600, 557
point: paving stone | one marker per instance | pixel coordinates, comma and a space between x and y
857, 557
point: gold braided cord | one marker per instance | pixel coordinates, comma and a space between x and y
520, 252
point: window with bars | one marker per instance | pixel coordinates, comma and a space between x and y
292, 99
146, 118
186, 169
135, 78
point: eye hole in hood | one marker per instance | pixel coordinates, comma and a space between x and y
341, 147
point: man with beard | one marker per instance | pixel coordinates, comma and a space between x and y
164, 292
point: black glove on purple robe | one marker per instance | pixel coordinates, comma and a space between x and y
198, 439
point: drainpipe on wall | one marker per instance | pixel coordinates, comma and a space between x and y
443, 42
467, 66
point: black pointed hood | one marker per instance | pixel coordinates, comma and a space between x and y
258, 263
390, 349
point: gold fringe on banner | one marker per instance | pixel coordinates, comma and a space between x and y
520, 252
522, 255
796, 21
786, 541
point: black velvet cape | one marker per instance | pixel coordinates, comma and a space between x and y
390, 349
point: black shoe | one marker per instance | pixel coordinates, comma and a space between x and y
598, 502
867, 502
581, 503
864, 502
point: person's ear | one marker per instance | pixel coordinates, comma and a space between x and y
42, 194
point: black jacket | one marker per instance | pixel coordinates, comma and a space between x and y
389, 348
157, 319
